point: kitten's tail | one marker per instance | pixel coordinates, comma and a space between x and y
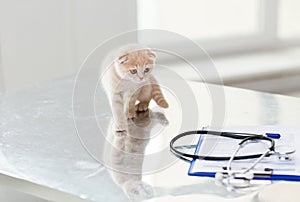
158, 96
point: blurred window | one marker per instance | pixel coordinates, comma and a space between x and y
289, 19
201, 19
225, 26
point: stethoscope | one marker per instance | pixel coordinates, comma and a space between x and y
228, 174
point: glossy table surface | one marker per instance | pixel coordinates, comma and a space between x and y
48, 148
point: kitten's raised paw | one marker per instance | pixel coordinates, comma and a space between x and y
142, 106
163, 104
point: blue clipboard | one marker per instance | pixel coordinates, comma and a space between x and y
295, 176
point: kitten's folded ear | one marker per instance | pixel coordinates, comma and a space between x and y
152, 54
123, 58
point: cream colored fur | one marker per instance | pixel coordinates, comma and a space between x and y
129, 84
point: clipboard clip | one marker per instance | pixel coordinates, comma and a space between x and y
237, 179
240, 174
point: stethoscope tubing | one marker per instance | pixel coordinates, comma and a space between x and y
244, 137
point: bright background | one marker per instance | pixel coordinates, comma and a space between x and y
255, 44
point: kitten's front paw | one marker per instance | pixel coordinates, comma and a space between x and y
142, 106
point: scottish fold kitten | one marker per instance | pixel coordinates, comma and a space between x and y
129, 84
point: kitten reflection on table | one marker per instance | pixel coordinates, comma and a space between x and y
124, 155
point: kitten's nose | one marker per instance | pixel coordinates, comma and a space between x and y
141, 78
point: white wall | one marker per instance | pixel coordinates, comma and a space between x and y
43, 40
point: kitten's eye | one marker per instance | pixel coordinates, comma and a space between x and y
133, 71
147, 70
